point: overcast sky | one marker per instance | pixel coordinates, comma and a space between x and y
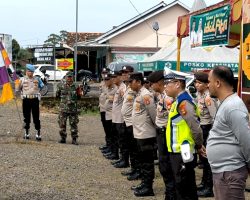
30, 22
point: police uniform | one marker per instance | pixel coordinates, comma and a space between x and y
108, 117
183, 130
69, 93
164, 103
143, 119
118, 124
30, 87
102, 99
207, 107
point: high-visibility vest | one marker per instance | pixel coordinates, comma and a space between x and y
178, 131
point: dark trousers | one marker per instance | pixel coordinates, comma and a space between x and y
109, 134
133, 149
164, 164
230, 185
146, 156
207, 177
123, 141
31, 106
115, 138
104, 124
184, 176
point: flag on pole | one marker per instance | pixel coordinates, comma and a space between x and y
7, 92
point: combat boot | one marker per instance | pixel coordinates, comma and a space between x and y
115, 162
138, 187
74, 141
62, 141
38, 136
128, 172
144, 192
121, 164
134, 176
26, 134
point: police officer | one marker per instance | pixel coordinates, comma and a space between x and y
183, 136
118, 121
208, 108
143, 119
113, 154
164, 103
69, 94
130, 144
30, 87
102, 99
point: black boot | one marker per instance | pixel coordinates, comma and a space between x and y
38, 136
103, 147
112, 156
74, 141
62, 141
134, 176
129, 172
121, 164
138, 187
26, 134
144, 192
115, 161
205, 192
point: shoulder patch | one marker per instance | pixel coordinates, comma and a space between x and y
182, 108
146, 99
208, 101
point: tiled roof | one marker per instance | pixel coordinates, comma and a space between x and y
81, 37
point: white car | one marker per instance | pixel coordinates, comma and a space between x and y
54, 74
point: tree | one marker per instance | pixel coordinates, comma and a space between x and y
15, 49
54, 39
64, 36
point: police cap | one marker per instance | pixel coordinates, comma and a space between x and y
169, 74
105, 70
156, 76
136, 76
201, 76
127, 68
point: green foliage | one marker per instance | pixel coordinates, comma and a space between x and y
15, 49
54, 39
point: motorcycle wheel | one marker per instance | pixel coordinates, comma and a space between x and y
44, 90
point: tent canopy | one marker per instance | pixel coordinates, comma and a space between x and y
191, 58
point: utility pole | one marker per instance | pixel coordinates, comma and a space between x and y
75, 50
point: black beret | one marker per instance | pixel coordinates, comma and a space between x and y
156, 76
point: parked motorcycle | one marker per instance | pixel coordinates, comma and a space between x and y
85, 85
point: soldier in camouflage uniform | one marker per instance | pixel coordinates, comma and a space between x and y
69, 94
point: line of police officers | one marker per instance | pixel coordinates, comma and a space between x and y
134, 121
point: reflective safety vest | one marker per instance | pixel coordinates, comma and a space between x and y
178, 131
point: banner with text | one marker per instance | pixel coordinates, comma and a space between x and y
210, 28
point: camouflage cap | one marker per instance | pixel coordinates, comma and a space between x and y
69, 74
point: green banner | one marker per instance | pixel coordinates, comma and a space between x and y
210, 28
185, 66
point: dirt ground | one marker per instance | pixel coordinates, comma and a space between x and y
46, 170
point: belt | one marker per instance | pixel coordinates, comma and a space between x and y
161, 129
30, 96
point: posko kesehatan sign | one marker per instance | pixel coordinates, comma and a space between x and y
210, 28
